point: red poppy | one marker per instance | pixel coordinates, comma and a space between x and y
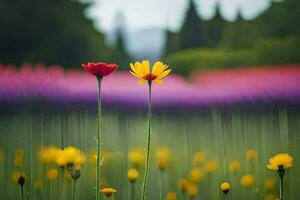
99, 69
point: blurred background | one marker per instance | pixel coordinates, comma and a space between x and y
234, 89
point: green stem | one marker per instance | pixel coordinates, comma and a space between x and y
21, 193
162, 185
98, 196
143, 196
74, 190
281, 188
132, 187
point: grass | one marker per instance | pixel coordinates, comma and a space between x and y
224, 135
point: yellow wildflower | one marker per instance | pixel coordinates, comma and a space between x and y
52, 174
196, 175
251, 154
270, 183
142, 71
199, 158
137, 157
171, 196
38, 184
48, 154
271, 196
163, 157
192, 190
16, 175
283, 159
225, 187
132, 174
247, 180
19, 156
234, 165
211, 166
108, 191
69, 155
183, 185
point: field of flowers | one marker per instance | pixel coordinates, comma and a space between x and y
212, 136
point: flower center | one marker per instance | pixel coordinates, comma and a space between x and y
150, 77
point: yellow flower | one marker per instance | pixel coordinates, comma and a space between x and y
196, 175
137, 157
18, 162
69, 155
192, 190
270, 183
211, 166
283, 159
271, 196
16, 175
38, 184
250, 154
19, 155
163, 157
48, 154
171, 196
225, 187
142, 71
132, 174
183, 185
199, 158
247, 180
234, 165
108, 191
52, 174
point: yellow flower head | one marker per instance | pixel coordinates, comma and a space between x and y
132, 174
142, 71
69, 155
271, 196
225, 187
19, 155
196, 175
108, 191
137, 157
234, 165
270, 183
192, 190
48, 154
52, 174
251, 154
199, 158
283, 159
163, 157
171, 196
247, 180
16, 175
38, 184
183, 184
211, 166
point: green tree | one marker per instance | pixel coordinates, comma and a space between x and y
48, 31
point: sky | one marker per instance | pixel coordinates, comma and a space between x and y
141, 14
144, 22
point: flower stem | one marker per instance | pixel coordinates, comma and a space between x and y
143, 197
74, 190
281, 172
21, 193
162, 185
98, 140
281, 188
132, 187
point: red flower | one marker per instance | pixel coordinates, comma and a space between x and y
99, 69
